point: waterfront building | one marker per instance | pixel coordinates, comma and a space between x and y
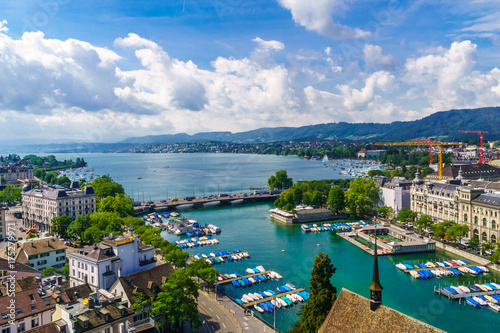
3, 225
461, 202
101, 264
39, 253
303, 214
148, 282
30, 310
396, 194
363, 153
13, 174
354, 313
41, 205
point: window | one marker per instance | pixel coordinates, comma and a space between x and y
21, 328
493, 239
44, 255
41, 262
92, 280
107, 268
465, 218
19, 311
493, 224
74, 273
475, 219
59, 251
484, 237
6, 330
34, 322
32, 307
33, 257
32, 297
61, 258
484, 222
106, 330
92, 269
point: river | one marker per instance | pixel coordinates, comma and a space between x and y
249, 228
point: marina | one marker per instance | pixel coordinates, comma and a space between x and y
230, 280
269, 298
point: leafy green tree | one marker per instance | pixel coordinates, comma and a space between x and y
385, 211
179, 300
60, 225
406, 216
92, 235
78, 226
487, 246
318, 199
31, 235
457, 231
439, 229
65, 271
175, 256
362, 196
424, 222
203, 270
474, 242
105, 186
323, 294
11, 195
120, 203
142, 303
280, 180
336, 199
48, 271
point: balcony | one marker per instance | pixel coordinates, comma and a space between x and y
147, 261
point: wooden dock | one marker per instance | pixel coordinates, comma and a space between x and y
439, 267
267, 299
243, 276
446, 293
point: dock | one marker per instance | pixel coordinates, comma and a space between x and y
446, 293
243, 276
437, 267
225, 255
267, 299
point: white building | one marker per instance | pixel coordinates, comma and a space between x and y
39, 253
14, 173
101, 264
396, 195
40, 206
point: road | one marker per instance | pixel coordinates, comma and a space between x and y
9, 218
215, 318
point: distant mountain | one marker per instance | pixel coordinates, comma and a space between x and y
445, 124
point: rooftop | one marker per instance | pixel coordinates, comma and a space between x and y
28, 303
96, 252
41, 245
351, 313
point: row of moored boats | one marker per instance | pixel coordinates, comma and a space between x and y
193, 242
336, 227
275, 303
445, 268
217, 258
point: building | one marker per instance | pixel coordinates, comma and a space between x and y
3, 224
354, 313
28, 311
148, 282
16, 269
101, 264
99, 313
461, 202
39, 253
303, 214
396, 194
363, 153
40, 206
13, 174
469, 171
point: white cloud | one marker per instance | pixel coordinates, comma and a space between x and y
269, 45
328, 50
376, 59
3, 27
318, 16
360, 100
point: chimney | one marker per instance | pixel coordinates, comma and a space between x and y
59, 280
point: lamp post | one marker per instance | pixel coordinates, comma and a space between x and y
274, 310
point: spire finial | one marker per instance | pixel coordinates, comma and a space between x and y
375, 287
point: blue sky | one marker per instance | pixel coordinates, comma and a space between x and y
107, 70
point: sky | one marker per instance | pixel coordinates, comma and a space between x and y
102, 71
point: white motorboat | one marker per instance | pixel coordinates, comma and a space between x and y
283, 303
259, 296
251, 279
491, 299
261, 269
484, 269
458, 290
276, 303
494, 307
267, 293
291, 286
401, 266
277, 276
258, 308
249, 271
480, 301
464, 289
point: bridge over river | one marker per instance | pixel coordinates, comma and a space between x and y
201, 202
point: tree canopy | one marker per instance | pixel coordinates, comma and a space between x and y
60, 224
439, 229
120, 203
424, 222
280, 181
11, 195
362, 196
336, 199
323, 294
457, 232
105, 186
406, 216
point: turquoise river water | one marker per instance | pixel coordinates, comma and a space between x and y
249, 228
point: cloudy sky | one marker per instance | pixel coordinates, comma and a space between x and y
106, 70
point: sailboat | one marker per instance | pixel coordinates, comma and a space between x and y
325, 161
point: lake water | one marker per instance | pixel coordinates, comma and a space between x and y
249, 228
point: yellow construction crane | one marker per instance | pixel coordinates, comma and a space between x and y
424, 143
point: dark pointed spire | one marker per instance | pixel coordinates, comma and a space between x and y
376, 287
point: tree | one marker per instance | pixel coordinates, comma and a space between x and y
406, 216
179, 300
439, 229
318, 199
487, 246
120, 203
31, 235
386, 212
323, 294
457, 231
79, 225
142, 303
65, 271
424, 222
336, 199
60, 225
93, 235
11, 195
48, 271
362, 196
175, 256
474, 242
104, 186
280, 180
203, 270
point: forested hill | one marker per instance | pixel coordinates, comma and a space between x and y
445, 124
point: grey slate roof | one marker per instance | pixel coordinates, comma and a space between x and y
489, 199
96, 252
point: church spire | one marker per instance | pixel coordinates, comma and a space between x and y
375, 288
